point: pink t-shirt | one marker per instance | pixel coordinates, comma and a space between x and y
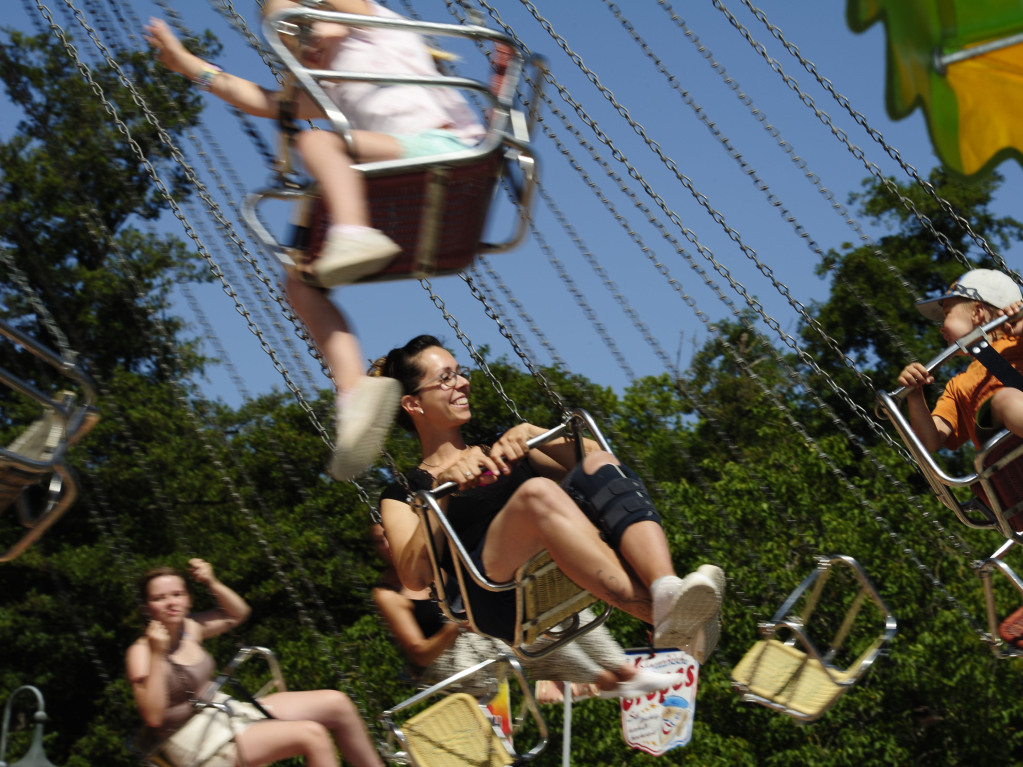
404, 110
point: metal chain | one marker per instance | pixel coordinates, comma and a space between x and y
214, 208
228, 193
784, 145
21, 281
735, 311
735, 286
873, 133
859, 154
760, 184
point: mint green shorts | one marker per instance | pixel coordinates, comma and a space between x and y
431, 142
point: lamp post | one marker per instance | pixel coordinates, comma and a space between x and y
34, 757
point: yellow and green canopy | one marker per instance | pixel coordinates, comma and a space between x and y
961, 61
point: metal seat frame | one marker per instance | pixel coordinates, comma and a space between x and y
62, 424
986, 569
793, 676
409, 740
996, 502
547, 602
991, 507
506, 143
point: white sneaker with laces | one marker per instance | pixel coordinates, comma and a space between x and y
345, 258
362, 426
681, 607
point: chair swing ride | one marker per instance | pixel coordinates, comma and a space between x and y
995, 501
437, 208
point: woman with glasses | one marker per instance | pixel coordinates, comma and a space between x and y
595, 518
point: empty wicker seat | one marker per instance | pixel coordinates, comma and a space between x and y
793, 676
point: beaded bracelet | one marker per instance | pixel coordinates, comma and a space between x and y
207, 75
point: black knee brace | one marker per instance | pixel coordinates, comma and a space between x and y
613, 498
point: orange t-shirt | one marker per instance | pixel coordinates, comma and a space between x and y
966, 392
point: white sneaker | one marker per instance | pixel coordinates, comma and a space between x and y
707, 635
345, 258
644, 682
681, 607
362, 426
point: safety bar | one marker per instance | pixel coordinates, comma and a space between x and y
959, 347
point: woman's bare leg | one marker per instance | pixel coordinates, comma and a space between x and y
273, 740
335, 711
539, 516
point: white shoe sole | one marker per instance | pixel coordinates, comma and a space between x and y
349, 266
363, 428
695, 604
707, 636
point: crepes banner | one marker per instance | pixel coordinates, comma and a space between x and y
660, 721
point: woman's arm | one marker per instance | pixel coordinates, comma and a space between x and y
146, 665
407, 537
231, 609
399, 613
552, 459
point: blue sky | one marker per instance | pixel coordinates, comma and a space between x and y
604, 308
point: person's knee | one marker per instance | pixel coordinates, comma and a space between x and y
315, 735
593, 461
342, 706
314, 141
543, 499
612, 497
1007, 405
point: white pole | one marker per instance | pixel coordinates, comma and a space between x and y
566, 743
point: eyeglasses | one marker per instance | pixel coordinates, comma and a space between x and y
445, 380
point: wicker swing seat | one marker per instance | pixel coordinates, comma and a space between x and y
792, 676
457, 730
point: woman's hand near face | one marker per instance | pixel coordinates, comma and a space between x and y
201, 570
159, 638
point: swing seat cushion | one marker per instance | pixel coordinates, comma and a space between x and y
38, 442
546, 597
786, 678
436, 214
454, 732
1011, 629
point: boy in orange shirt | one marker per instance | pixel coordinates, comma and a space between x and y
975, 404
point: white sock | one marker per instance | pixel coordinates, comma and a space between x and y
653, 586
344, 398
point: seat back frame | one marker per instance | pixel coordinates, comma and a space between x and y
992, 510
37, 458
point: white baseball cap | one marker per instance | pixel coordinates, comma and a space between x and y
987, 285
